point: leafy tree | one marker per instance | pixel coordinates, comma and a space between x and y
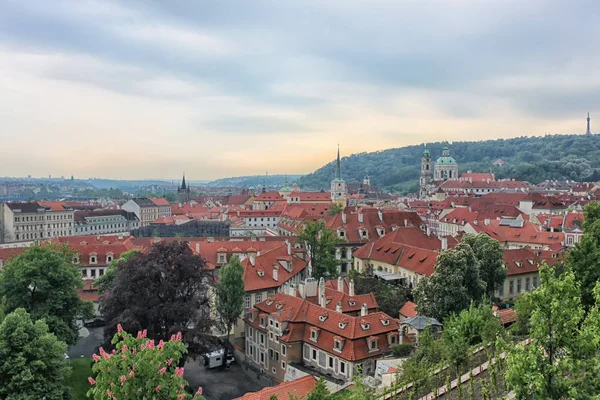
32, 363
163, 290
104, 282
475, 324
389, 298
44, 282
230, 292
140, 368
490, 254
335, 209
562, 362
584, 259
320, 391
321, 243
455, 283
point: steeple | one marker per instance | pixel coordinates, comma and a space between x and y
183, 192
338, 168
183, 185
588, 132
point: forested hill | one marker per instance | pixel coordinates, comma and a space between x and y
532, 159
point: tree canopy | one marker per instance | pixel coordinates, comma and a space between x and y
32, 363
230, 294
532, 159
44, 281
490, 254
389, 298
562, 362
321, 243
454, 285
164, 291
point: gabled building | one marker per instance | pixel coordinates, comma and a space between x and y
148, 210
30, 221
287, 330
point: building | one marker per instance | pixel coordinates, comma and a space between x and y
148, 210
426, 182
446, 167
296, 389
105, 222
36, 221
339, 191
285, 329
517, 234
183, 192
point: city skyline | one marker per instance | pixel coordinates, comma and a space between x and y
138, 91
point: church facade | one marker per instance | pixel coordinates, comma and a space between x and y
444, 169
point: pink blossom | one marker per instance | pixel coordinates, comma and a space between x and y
123, 379
181, 396
114, 351
158, 388
170, 362
119, 328
131, 374
178, 338
144, 332
95, 357
109, 393
172, 338
179, 371
125, 348
161, 344
162, 370
139, 335
134, 351
199, 390
123, 356
150, 344
91, 380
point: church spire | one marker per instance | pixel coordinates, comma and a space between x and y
338, 168
588, 132
183, 185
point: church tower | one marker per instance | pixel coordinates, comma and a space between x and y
339, 191
183, 192
588, 132
426, 181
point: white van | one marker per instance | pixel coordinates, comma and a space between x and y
215, 359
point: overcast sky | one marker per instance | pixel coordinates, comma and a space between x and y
149, 89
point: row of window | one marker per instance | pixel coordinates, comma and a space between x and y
49, 217
511, 286
40, 235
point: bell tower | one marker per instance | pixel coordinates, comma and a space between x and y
426, 180
339, 190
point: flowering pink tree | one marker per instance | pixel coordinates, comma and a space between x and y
139, 368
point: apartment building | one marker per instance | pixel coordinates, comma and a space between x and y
36, 221
105, 222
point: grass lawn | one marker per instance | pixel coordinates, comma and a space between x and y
78, 381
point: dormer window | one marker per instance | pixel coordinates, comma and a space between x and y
222, 258
341, 233
323, 317
260, 272
364, 325
314, 334
342, 324
76, 259
373, 343
269, 302
109, 258
385, 322
364, 233
279, 306
352, 303
262, 321
338, 344
93, 258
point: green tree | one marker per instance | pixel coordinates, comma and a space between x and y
562, 362
455, 283
584, 258
230, 292
456, 349
44, 282
32, 363
321, 243
140, 368
104, 282
320, 391
335, 209
490, 255
476, 324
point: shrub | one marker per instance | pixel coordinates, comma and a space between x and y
402, 350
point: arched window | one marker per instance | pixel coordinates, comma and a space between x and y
427, 167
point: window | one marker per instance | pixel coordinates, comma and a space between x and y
247, 301
518, 285
535, 282
337, 345
501, 290
511, 287
283, 350
93, 259
262, 358
257, 298
283, 365
276, 324
262, 339
276, 356
343, 367
262, 321
393, 339
314, 335
314, 355
373, 344
271, 322
330, 362
527, 284
271, 353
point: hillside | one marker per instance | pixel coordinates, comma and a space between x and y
256, 180
532, 159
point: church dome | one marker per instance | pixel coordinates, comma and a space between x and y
446, 158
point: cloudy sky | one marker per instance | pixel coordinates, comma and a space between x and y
149, 89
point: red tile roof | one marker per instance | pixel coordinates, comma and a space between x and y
409, 309
528, 234
260, 275
310, 196
507, 316
55, 205
525, 261
160, 201
299, 388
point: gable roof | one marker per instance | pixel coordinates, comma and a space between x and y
299, 388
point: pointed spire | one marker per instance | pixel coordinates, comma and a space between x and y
588, 131
338, 168
183, 185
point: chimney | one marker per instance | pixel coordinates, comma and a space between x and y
340, 286
351, 288
198, 247
486, 222
476, 222
120, 236
275, 272
364, 310
338, 307
343, 217
302, 289
380, 214
289, 247
291, 290
428, 231
322, 292
252, 259
179, 205
311, 287
444, 243
360, 217
405, 222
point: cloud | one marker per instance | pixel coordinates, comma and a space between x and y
234, 87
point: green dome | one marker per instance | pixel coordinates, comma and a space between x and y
286, 188
446, 160
251, 188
